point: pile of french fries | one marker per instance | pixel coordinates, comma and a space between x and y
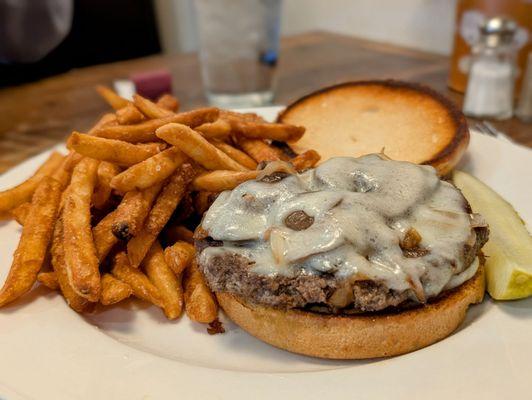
114, 217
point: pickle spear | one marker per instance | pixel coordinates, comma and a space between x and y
509, 249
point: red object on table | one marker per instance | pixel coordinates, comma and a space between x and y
152, 84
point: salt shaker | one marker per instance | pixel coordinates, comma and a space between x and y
490, 86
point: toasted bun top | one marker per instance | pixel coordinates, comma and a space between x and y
409, 121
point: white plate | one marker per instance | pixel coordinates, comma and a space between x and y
132, 352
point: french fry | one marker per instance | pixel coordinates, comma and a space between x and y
102, 190
184, 210
204, 200
131, 212
164, 206
48, 279
21, 212
135, 278
200, 304
63, 173
123, 222
218, 181
166, 169
149, 108
113, 151
237, 155
254, 130
36, 235
110, 96
218, 129
105, 120
200, 233
149, 172
22, 193
258, 149
108, 119
114, 290
129, 115
305, 160
103, 237
168, 283
145, 131
76, 302
176, 233
168, 102
64, 197
71, 161
239, 116
197, 147
179, 256
80, 253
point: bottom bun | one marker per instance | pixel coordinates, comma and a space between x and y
356, 336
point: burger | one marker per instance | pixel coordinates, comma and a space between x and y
357, 258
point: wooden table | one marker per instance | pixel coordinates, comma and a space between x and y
38, 115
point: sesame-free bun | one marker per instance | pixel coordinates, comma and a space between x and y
356, 336
409, 121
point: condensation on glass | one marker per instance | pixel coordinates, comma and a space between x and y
238, 47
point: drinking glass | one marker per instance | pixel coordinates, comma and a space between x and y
238, 49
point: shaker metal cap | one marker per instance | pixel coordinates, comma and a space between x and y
498, 30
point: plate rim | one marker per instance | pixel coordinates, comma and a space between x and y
188, 373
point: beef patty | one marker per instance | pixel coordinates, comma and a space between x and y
320, 292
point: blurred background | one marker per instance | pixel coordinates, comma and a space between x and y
244, 53
75, 33
128, 29
111, 30
410, 23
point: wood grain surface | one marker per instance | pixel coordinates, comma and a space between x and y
38, 115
